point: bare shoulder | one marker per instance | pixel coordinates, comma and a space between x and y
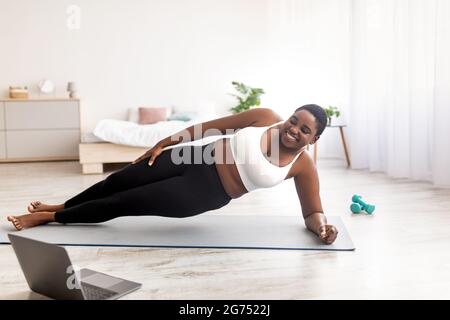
264, 117
304, 165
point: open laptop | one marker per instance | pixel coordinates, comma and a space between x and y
49, 271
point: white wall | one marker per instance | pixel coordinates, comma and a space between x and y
308, 60
181, 53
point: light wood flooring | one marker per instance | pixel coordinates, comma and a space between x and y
402, 251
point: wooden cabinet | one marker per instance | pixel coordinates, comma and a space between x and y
39, 130
2, 116
2, 145
42, 115
2, 132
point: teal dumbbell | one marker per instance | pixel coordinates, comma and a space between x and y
358, 205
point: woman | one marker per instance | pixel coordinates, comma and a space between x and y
265, 151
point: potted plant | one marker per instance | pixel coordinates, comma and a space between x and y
332, 111
249, 97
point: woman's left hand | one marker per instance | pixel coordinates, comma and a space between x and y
328, 233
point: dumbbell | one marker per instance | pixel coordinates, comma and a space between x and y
360, 205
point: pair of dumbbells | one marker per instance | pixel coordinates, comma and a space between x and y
358, 205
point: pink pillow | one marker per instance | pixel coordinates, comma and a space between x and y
152, 115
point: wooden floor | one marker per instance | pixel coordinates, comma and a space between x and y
403, 251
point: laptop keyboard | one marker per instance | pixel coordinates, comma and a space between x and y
95, 293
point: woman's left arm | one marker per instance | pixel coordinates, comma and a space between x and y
308, 190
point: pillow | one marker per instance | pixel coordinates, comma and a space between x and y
133, 114
183, 116
152, 115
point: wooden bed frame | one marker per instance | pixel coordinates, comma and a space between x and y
94, 155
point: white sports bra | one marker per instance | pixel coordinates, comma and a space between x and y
254, 169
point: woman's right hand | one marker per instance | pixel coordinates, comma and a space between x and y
153, 153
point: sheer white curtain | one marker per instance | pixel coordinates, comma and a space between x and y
400, 88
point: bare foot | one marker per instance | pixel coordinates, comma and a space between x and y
37, 206
27, 221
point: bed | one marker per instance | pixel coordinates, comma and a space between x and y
119, 141
94, 155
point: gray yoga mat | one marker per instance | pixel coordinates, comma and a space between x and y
202, 231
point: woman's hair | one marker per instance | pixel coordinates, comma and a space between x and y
319, 114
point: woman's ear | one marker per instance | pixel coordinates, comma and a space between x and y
314, 140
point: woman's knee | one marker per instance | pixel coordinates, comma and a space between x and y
186, 213
123, 175
112, 183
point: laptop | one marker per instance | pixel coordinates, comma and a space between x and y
49, 271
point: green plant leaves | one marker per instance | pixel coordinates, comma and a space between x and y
250, 97
332, 111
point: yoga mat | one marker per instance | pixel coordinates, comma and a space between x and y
201, 231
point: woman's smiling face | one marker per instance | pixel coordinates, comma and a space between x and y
299, 130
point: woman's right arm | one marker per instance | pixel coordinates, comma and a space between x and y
250, 118
257, 117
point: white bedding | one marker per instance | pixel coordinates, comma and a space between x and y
133, 134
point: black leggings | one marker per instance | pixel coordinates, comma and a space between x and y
163, 189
